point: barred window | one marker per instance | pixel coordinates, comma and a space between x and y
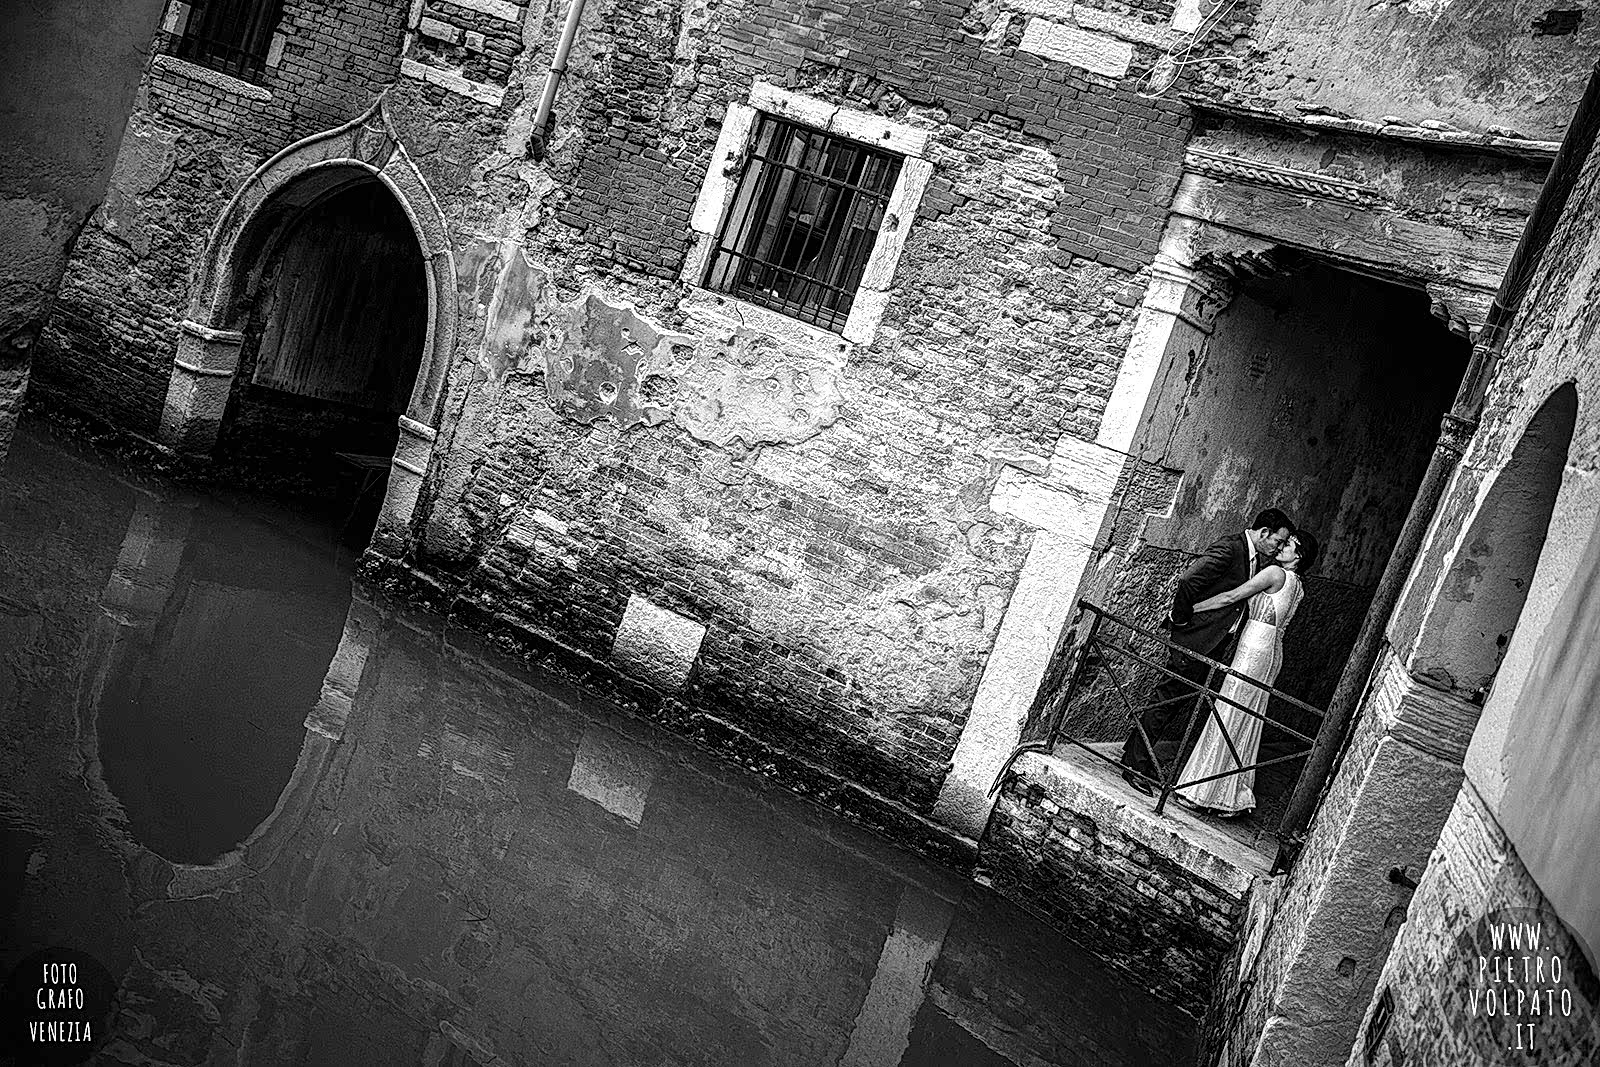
802, 222
231, 36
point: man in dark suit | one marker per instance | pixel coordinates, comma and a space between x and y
1228, 563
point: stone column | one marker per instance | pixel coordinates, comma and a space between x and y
406, 471
197, 396
1068, 506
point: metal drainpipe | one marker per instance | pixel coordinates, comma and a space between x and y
538, 143
1459, 425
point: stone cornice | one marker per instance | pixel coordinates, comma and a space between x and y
1410, 136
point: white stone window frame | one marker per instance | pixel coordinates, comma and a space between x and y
722, 182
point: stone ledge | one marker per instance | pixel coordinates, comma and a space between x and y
172, 66
1198, 845
1159, 897
1466, 140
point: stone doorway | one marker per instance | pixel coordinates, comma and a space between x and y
1318, 391
321, 324
332, 310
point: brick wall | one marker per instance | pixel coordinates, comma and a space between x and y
850, 583
1147, 895
1117, 155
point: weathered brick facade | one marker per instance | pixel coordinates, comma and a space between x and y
829, 536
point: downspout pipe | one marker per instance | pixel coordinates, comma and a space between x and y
1459, 425
538, 143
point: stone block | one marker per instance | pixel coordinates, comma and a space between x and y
1100, 53
656, 645
439, 31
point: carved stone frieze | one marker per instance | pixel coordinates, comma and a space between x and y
1232, 168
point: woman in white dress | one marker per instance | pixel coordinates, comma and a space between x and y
1274, 594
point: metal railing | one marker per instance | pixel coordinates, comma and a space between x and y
802, 224
1103, 666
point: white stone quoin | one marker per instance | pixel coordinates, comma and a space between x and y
655, 645
1099, 53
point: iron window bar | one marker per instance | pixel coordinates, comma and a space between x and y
1093, 655
800, 228
230, 36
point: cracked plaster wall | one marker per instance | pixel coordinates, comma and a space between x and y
67, 73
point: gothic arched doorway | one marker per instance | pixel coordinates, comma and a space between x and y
333, 312
319, 330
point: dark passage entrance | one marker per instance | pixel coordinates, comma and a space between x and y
335, 315
1320, 392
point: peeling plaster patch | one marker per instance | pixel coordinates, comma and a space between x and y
655, 645
148, 157
740, 388
608, 361
748, 391
520, 318
614, 363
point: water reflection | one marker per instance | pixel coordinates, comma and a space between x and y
214, 631
221, 630
470, 866
476, 866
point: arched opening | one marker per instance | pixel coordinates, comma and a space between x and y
1316, 390
261, 262
1465, 636
330, 298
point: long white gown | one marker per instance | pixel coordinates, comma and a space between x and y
1259, 656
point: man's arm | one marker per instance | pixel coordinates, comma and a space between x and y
1269, 579
1202, 574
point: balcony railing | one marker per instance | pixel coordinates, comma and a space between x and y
1098, 689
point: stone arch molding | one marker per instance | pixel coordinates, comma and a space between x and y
207, 356
1492, 561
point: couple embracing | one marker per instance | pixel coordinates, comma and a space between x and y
1253, 578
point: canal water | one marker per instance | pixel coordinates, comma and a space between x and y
299, 828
